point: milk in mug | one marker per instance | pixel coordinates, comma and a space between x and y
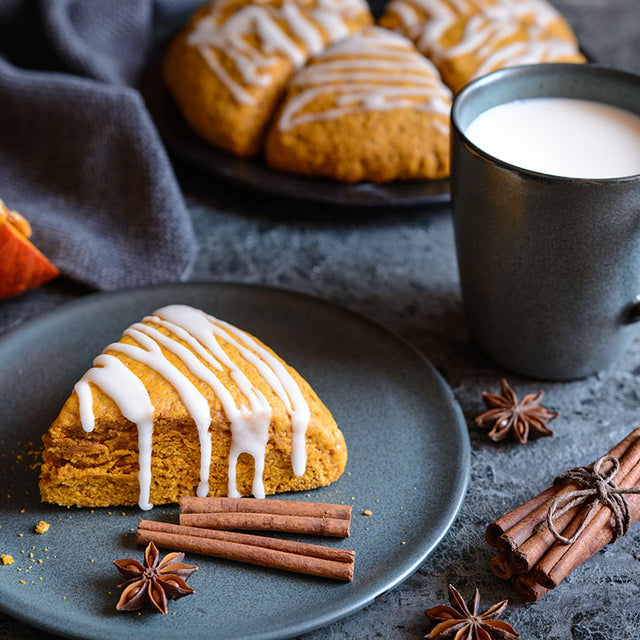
561, 136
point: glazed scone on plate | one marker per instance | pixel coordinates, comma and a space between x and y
369, 108
229, 67
471, 38
185, 404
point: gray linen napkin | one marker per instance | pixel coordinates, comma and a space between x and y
80, 157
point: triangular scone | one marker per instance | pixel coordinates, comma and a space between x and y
370, 107
169, 409
469, 38
229, 67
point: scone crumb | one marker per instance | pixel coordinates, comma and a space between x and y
367, 512
5, 558
42, 527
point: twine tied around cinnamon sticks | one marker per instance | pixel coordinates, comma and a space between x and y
598, 490
532, 556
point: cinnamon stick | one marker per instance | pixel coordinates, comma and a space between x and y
562, 559
526, 520
292, 546
313, 525
501, 566
528, 588
536, 546
192, 504
286, 555
500, 526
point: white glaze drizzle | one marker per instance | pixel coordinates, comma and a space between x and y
288, 31
487, 22
484, 31
207, 329
520, 53
201, 332
285, 387
374, 70
130, 395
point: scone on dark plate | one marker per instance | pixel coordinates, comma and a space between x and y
469, 38
229, 67
369, 108
185, 404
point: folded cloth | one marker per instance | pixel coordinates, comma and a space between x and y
80, 157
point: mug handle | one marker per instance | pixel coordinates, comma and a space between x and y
633, 311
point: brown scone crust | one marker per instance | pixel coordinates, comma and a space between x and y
211, 109
100, 468
470, 39
408, 140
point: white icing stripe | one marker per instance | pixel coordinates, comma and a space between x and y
238, 92
486, 23
364, 98
249, 424
249, 427
373, 83
348, 8
298, 407
405, 11
149, 353
290, 31
364, 50
373, 77
205, 328
302, 28
525, 53
477, 32
130, 395
390, 70
331, 23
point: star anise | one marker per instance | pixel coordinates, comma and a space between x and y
156, 581
525, 419
463, 622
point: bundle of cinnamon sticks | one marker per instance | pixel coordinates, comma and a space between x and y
208, 526
532, 557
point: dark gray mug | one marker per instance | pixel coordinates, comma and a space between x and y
549, 266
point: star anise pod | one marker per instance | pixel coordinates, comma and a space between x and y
525, 419
156, 581
463, 622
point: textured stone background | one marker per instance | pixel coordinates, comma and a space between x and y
399, 267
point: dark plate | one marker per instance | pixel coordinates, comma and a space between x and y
408, 463
254, 173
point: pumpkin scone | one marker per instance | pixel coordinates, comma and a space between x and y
186, 404
471, 38
369, 108
229, 67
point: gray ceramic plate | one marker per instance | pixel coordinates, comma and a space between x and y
408, 464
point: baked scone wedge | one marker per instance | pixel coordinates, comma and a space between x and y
471, 38
185, 404
369, 108
229, 67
